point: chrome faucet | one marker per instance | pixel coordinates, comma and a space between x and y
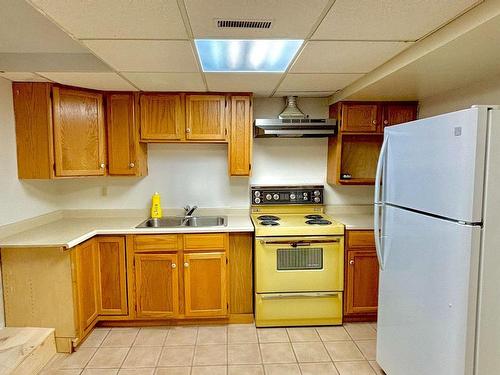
188, 212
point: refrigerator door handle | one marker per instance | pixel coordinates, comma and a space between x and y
378, 203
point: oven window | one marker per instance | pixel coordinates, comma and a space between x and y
310, 258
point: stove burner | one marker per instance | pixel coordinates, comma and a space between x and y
268, 217
318, 222
314, 217
269, 222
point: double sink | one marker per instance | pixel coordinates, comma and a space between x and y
181, 221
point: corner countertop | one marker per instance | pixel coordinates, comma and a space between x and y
72, 229
354, 217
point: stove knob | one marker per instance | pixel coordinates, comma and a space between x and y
305, 194
276, 197
257, 200
269, 197
317, 199
292, 196
257, 194
317, 193
305, 197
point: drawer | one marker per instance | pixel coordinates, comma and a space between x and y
297, 309
360, 238
157, 242
205, 241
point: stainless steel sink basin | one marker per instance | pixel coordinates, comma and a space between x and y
179, 221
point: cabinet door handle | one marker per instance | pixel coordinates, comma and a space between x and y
132, 165
386, 122
374, 122
186, 265
188, 130
351, 262
102, 165
174, 265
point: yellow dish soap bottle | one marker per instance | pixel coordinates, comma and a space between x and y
156, 206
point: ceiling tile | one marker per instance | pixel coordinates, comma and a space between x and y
317, 82
167, 81
23, 77
97, 81
290, 18
304, 94
344, 56
51, 62
388, 19
116, 19
146, 55
262, 84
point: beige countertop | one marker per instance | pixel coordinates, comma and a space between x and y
69, 231
355, 221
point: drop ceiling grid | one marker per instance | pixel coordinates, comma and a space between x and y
127, 42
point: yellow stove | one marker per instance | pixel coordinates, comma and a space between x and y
299, 257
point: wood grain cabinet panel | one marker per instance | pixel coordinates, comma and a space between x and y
359, 117
205, 289
157, 284
241, 273
205, 241
206, 117
79, 139
399, 113
362, 279
162, 117
86, 283
126, 156
240, 139
112, 284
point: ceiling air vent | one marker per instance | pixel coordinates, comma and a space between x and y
243, 24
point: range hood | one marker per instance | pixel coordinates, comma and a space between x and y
293, 123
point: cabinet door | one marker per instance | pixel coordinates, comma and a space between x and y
125, 153
86, 283
359, 117
206, 117
112, 285
362, 282
205, 288
240, 140
162, 117
399, 113
156, 282
78, 133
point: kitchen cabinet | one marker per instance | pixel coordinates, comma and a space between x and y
206, 117
353, 153
361, 276
240, 138
156, 282
205, 285
126, 155
162, 117
86, 283
79, 137
112, 282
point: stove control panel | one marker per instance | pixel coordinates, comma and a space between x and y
281, 195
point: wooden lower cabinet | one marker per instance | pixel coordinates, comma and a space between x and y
361, 275
156, 285
205, 284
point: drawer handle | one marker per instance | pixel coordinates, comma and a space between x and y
300, 243
298, 295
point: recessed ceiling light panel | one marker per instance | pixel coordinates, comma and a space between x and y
260, 55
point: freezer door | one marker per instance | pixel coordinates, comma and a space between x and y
427, 295
436, 165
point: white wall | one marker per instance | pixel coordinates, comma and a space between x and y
18, 199
484, 92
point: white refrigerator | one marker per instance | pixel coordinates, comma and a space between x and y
437, 229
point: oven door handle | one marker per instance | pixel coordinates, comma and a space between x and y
298, 295
299, 243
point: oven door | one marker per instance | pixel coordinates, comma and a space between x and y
299, 264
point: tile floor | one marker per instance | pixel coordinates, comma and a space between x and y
239, 349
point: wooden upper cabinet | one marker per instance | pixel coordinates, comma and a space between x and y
86, 283
206, 117
112, 284
205, 285
79, 138
399, 113
126, 156
162, 117
156, 285
359, 117
240, 138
